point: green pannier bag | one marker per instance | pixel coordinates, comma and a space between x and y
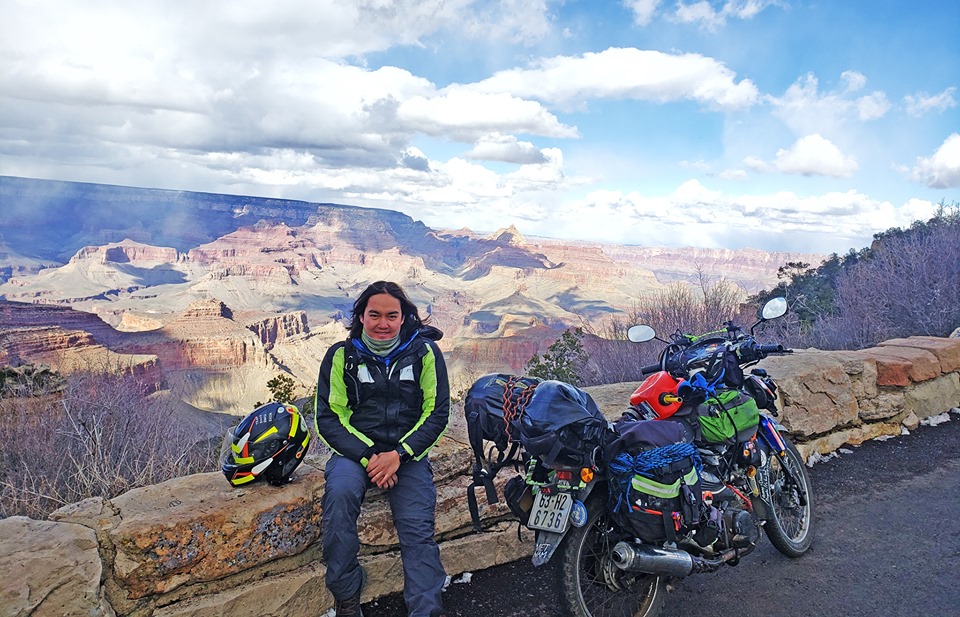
731, 416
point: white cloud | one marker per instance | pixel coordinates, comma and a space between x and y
700, 13
709, 18
694, 215
747, 9
806, 110
547, 175
811, 155
699, 165
518, 21
228, 33
872, 106
414, 158
920, 104
756, 164
231, 74
732, 174
854, 80
643, 10
465, 114
625, 73
942, 170
506, 148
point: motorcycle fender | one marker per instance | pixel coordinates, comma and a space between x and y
770, 434
546, 545
772, 443
546, 542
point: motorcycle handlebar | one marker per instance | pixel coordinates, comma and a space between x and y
748, 351
765, 349
649, 369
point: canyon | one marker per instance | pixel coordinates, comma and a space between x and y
210, 296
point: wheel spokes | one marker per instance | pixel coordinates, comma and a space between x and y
791, 513
607, 590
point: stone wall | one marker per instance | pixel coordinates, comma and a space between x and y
195, 547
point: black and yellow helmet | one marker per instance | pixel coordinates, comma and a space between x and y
270, 443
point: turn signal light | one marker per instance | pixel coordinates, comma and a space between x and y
586, 474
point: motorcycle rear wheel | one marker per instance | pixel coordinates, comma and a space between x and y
593, 586
790, 527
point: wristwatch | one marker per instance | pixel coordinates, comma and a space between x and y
404, 455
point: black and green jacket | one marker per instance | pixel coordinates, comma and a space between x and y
367, 404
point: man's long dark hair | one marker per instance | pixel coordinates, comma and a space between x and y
411, 315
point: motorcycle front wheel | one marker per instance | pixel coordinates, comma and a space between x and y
593, 586
790, 527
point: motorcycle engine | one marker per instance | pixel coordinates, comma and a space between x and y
725, 524
725, 528
740, 530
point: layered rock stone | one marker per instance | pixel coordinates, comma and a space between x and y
67, 351
128, 251
50, 569
279, 328
874, 391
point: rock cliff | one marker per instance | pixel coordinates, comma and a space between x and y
292, 269
218, 362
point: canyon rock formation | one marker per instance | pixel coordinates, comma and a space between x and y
278, 278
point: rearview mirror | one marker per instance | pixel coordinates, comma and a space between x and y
775, 307
641, 334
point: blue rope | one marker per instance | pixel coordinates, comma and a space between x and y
624, 466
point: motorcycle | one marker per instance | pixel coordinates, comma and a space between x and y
752, 479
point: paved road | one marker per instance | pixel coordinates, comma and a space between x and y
887, 543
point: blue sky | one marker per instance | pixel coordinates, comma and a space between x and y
776, 124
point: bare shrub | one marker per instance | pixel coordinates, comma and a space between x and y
611, 358
694, 309
907, 283
101, 435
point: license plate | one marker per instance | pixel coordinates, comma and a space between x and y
550, 512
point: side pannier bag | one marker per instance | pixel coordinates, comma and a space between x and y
731, 416
562, 426
656, 491
493, 408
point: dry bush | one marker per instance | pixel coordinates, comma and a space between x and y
611, 357
101, 435
694, 310
460, 383
910, 285
906, 284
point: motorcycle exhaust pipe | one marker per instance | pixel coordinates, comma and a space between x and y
652, 559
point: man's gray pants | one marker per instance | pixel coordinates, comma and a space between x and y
413, 502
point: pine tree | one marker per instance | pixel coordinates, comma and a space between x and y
281, 388
564, 360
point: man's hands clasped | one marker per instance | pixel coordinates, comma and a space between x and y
382, 468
